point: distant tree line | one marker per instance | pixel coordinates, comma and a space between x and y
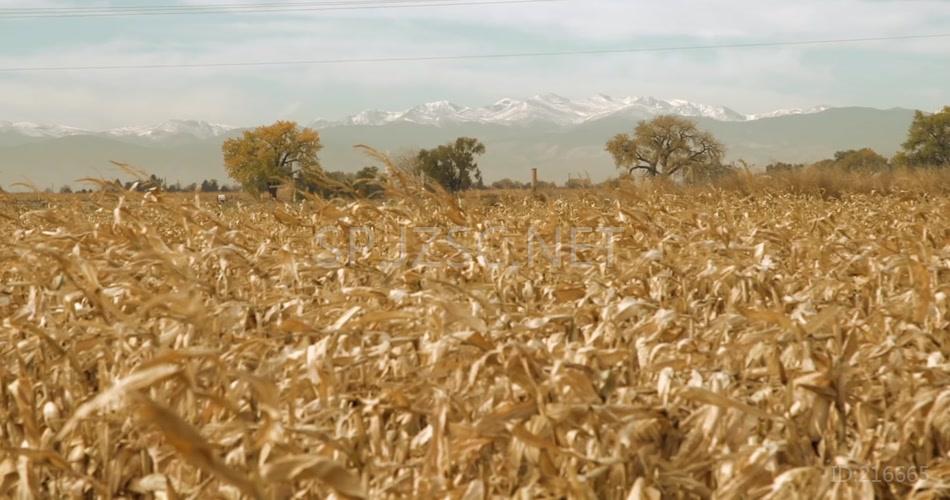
155, 182
927, 146
263, 159
673, 147
283, 154
268, 157
853, 160
507, 183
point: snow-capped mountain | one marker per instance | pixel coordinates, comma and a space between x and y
549, 108
788, 112
540, 109
30, 129
194, 128
651, 106
170, 129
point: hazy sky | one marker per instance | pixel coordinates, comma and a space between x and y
913, 74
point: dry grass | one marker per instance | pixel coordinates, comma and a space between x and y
737, 347
834, 183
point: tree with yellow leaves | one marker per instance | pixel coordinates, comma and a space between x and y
271, 155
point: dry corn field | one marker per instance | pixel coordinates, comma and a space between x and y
728, 346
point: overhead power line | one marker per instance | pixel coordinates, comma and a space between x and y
248, 8
463, 57
222, 5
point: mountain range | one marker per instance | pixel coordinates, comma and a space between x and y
560, 136
548, 108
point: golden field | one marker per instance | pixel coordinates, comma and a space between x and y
767, 339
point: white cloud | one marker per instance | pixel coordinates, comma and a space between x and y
751, 80
625, 19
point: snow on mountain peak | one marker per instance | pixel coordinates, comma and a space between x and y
30, 129
172, 128
552, 98
370, 117
434, 113
542, 108
195, 128
788, 112
550, 108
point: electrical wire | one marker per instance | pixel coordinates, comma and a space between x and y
169, 10
464, 57
196, 6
